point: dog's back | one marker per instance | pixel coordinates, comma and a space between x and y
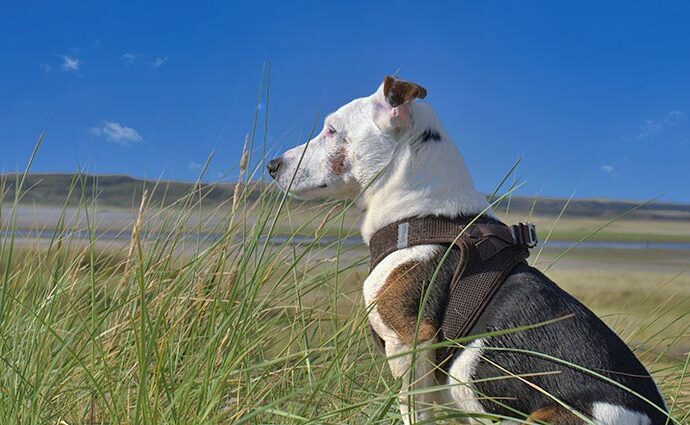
577, 361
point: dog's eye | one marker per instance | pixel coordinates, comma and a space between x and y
330, 130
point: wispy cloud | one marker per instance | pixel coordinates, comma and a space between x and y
195, 166
70, 63
129, 58
657, 126
46, 68
607, 168
159, 61
117, 133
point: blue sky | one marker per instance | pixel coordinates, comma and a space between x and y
593, 96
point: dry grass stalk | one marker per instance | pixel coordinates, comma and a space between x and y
135, 239
325, 220
236, 196
243, 167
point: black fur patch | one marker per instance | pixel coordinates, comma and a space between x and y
430, 134
529, 297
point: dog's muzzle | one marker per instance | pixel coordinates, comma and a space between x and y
273, 167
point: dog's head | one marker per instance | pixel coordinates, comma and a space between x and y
355, 144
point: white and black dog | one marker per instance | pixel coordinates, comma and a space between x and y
390, 153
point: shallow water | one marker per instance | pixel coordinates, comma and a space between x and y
324, 240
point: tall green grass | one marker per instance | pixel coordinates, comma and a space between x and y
174, 328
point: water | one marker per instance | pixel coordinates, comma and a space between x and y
620, 245
324, 240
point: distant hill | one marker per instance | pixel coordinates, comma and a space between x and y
125, 191
110, 190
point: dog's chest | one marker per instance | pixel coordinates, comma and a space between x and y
375, 293
375, 285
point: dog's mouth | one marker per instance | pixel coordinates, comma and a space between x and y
310, 192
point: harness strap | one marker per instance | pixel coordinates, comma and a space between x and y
489, 251
481, 271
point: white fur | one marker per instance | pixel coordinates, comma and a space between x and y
387, 165
414, 408
422, 180
610, 414
461, 373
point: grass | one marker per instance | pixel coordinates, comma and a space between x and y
186, 328
238, 330
179, 331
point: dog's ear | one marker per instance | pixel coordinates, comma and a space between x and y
398, 92
393, 107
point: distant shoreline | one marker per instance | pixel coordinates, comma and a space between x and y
210, 237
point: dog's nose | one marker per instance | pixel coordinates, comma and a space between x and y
273, 166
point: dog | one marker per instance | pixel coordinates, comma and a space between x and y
390, 153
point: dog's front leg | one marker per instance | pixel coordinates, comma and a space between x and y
416, 369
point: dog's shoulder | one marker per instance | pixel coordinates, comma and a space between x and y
397, 285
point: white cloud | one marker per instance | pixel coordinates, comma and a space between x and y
159, 61
70, 63
130, 58
46, 68
607, 168
653, 127
195, 166
117, 133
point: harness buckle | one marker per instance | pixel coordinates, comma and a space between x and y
403, 231
525, 234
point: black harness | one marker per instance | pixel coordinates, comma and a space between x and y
489, 251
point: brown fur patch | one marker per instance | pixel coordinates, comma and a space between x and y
400, 297
554, 415
398, 92
338, 161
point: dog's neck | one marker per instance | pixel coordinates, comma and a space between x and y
423, 178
